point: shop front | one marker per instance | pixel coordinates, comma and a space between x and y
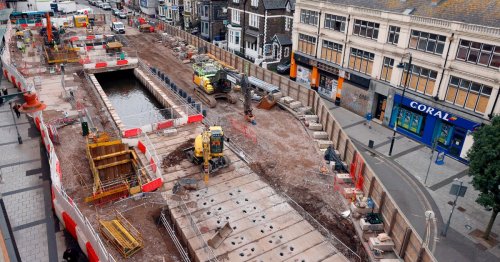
429, 125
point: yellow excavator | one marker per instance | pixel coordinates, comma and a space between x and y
212, 83
208, 150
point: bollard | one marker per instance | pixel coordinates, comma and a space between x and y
204, 113
189, 99
370, 143
162, 77
153, 70
198, 107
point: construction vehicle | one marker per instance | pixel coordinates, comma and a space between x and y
212, 83
208, 149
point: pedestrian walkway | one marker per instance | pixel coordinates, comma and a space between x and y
25, 188
404, 173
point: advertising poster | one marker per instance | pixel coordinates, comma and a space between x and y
303, 76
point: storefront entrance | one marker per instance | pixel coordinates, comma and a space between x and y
381, 104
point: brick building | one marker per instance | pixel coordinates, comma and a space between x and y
254, 23
349, 51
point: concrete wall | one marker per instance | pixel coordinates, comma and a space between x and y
406, 240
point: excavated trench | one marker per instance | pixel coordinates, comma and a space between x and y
133, 102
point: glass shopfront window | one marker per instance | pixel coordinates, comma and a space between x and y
412, 121
327, 85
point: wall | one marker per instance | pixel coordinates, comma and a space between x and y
397, 225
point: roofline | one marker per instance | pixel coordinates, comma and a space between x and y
497, 29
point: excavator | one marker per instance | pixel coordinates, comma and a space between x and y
212, 83
208, 150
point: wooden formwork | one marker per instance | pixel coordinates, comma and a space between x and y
115, 169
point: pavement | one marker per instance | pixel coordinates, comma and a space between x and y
403, 174
25, 189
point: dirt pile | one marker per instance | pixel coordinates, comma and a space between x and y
176, 156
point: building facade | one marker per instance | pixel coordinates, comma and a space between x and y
212, 14
171, 11
357, 53
254, 23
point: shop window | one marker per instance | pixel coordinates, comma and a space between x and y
307, 44
366, 29
393, 37
479, 53
327, 84
387, 67
468, 94
411, 120
332, 52
421, 79
427, 42
445, 132
361, 61
335, 22
309, 17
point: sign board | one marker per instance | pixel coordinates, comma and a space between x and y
455, 189
225, 22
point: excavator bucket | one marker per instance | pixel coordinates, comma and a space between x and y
267, 102
220, 236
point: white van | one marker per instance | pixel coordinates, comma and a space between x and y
85, 11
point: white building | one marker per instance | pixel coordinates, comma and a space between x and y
349, 50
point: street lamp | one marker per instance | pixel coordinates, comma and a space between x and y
401, 65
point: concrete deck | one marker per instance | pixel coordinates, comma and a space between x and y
265, 227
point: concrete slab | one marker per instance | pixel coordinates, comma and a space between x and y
311, 118
324, 143
319, 252
295, 104
315, 126
320, 135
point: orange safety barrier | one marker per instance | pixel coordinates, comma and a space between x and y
151, 186
122, 62
166, 124
132, 132
195, 118
141, 147
91, 254
101, 64
70, 224
153, 164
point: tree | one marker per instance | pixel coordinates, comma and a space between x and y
484, 167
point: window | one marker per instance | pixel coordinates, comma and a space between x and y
393, 37
427, 42
286, 52
255, 3
366, 29
204, 28
361, 61
421, 79
254, 20
468, 94
205, 10
234, 37
236, 1
332, 52
251, 45
478, 53
288, 23
387, 67
307, 44
335, 22
308, 17
410, 120
235, 16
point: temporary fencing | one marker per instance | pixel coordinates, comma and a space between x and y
65, 209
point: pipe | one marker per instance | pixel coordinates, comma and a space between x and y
243, 48
444, 67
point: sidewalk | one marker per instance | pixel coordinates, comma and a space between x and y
25, 188
404, 173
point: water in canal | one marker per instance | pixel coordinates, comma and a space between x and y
135, 105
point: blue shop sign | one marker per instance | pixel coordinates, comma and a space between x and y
437, 113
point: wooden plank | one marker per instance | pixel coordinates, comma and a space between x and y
112, 155
114, 164
320, 252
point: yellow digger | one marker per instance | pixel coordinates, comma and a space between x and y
208, 149
212, 83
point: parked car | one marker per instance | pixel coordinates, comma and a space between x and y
122, 15
92, 2
283, 68
106, 6
99, 4
115, 11
118, 27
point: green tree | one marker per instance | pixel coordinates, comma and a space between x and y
484, 167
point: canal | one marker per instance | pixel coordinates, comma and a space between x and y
135, 105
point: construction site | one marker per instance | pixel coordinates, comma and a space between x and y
181, 151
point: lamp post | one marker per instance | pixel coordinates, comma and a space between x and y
445, 230
401, 65
19, 139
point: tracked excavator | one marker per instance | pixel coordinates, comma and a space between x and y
212, 83
208, 150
